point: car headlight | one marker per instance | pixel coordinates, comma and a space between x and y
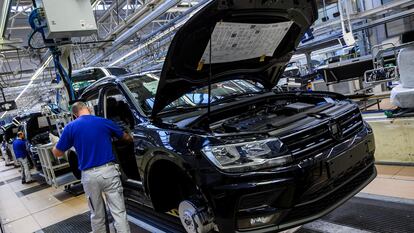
248, 156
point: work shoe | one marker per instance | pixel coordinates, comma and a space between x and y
30, 181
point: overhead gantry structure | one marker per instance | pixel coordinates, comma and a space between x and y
121, 25
135, 34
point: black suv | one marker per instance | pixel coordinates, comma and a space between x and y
257, 160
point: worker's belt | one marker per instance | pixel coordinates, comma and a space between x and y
99, 167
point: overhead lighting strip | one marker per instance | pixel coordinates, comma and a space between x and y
34, 77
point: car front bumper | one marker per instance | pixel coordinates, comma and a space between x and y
277, 199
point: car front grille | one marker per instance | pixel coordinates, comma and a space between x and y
313, 140
308, 142
330, 200
351, 123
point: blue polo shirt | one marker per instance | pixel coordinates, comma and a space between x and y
19, 147
92, 138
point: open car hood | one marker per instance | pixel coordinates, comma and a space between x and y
251, 39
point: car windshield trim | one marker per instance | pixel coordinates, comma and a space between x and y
143, 89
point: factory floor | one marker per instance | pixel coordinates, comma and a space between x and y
31, 207
37, 207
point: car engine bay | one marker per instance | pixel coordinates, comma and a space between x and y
267, 114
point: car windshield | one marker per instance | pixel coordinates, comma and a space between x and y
143, 88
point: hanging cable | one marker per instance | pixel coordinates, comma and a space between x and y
38, 26
209, 78
20, 63
29, 43
325, 13
63, 74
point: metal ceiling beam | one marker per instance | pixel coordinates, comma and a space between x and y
21, 12
137, 55
4, 16
383, 9
129, 34
333, 39
27, 71
118, 29
164, 31
7, 45
111, 8
133, 18
319, 29
386, 19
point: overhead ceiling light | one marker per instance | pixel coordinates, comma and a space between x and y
34, 77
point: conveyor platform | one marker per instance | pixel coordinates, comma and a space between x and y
361, 214
386, 205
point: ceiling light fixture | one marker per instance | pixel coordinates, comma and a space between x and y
34, 77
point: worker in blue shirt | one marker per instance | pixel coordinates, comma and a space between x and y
20, 151
92, 138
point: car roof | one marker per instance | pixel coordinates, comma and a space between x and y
97, 67
116, 79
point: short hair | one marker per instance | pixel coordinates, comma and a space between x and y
20, 133
76, 107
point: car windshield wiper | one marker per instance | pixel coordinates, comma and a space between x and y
183, 109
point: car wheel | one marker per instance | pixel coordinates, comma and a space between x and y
195, 217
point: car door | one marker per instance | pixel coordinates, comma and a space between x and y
118, 108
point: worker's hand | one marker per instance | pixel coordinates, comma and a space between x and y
127, 137
53, 139
57, 153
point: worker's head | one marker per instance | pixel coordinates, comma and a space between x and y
20, 135
80, 108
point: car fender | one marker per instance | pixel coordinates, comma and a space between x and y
154, 155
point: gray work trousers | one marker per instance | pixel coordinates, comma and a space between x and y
5, 155
105, 180
25, 171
